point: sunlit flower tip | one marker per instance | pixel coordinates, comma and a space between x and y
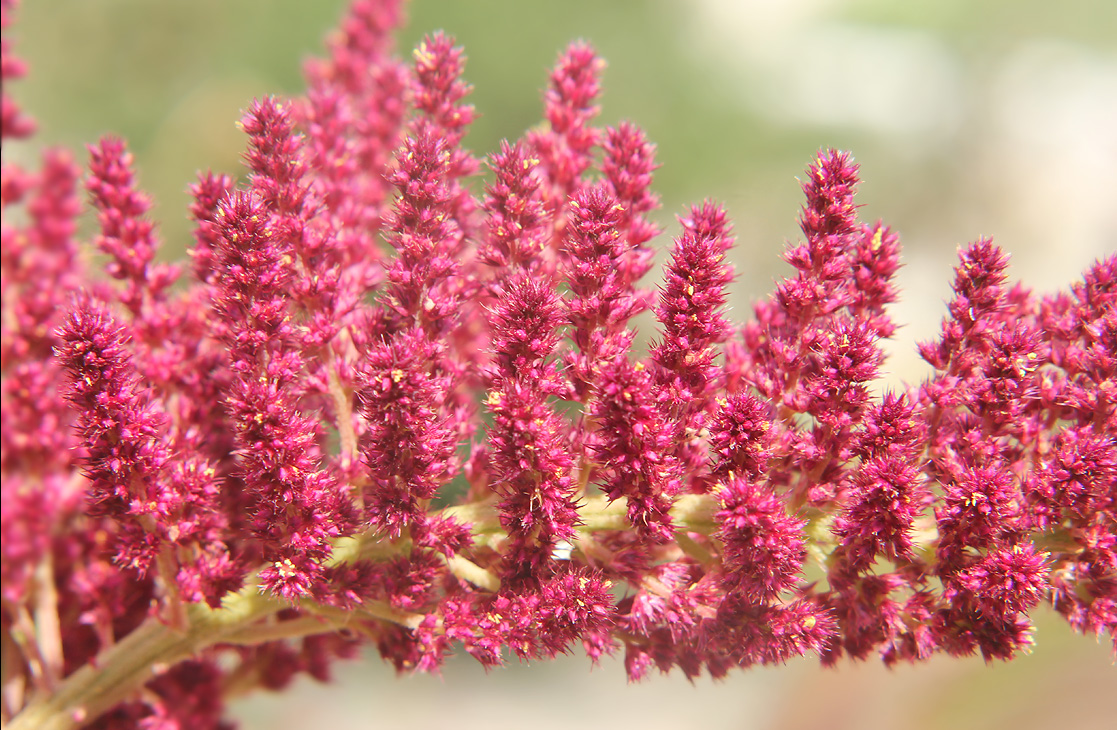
575, 86
566, 147
628, 166
439, 65
978, 306
980, 274
829, 188
126, 234
515, 228
275, 156
694, 291
525, 318
207, 195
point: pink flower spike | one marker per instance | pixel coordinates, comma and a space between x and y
691, 307
126, 235
764, 546
1007, 581
830, 185
517, 213
383, 411
628, 164
120, 429
570, 105
634, 447
14, 124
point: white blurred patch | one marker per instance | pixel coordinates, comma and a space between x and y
799, 68
1051, 154
885, 82
562, 550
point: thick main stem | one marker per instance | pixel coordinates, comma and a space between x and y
131, 662
124, 668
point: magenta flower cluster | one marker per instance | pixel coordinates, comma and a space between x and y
383, 405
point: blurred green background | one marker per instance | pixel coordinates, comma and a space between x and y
969, 118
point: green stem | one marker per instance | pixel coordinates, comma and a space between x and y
154, 646
119, 671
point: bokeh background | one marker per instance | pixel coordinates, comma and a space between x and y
968, 117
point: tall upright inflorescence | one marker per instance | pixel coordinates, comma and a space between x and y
627, 164
1074, 490
353, 116
566, 146
1003, 380
516, 228
378, 409
296, 507
690, 310
413, 412
530, 463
